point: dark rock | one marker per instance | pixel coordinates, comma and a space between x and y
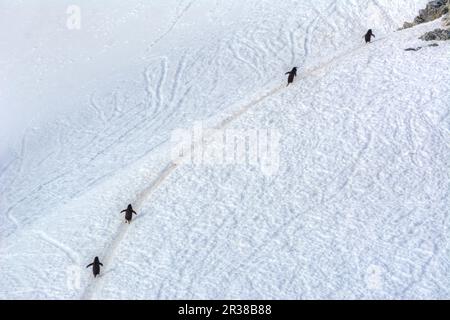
418, 48
434, 10
447, 20
407, 25
418, 20
436, 35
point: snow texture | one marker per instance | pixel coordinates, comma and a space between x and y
358, 207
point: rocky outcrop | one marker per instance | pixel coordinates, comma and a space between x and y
436, 35
434, 10
447, 20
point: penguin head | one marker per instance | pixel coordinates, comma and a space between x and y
130, 207
96, 260
370, 31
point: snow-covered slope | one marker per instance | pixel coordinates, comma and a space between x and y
356, 208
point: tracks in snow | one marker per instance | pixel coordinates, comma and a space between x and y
310, 29
143, 196
175, 21
94, 286
110, 251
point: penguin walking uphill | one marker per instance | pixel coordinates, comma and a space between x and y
368, 36
95, 266
292, 74
128, 213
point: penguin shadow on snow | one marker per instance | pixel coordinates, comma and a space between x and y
138, 217
373, 41
108, 271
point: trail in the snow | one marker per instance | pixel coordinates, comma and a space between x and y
110, 251
106, 260
20, 160
72, 254
383, 11
313, 25
175, 21
144, 195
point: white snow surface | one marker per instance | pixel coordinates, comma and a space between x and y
357, 209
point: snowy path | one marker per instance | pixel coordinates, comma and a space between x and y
170, 168
378, 277
145, 194
357, 210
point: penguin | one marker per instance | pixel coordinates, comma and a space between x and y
292, 74
96, 266
368, 36
128, 213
